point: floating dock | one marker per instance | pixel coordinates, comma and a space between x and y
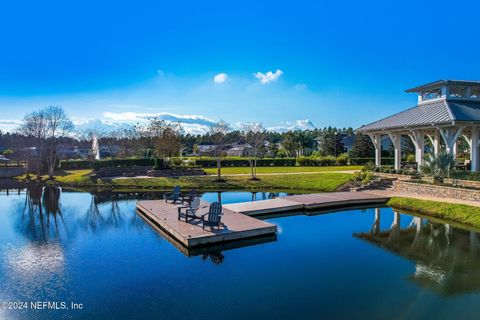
237, 223
235, 226
328, 200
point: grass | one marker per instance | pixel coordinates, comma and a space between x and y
460, 213
77, 177
260, 170
324, 182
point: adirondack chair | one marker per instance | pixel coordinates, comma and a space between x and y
174, 196
213, 216
190, 210
189, 197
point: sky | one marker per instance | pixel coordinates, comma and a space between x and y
286, 64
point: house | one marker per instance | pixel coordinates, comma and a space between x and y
240, 150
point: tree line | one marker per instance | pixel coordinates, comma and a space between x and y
45, 129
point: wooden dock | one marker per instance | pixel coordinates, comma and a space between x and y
238, 225
328, 200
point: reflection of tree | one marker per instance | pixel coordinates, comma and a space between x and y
93, 218
41, 210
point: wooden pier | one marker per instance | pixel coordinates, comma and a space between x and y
238, 225
316, 201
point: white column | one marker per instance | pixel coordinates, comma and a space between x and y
474, 156
435, 139
397, 144
377, 142
418, 139
455, 149
450, 136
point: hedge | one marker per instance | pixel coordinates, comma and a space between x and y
267, 162
85, 164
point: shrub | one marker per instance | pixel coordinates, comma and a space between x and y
159, 164
342, 160
86, 164
370, 166
245, 162
363, 176
410, 157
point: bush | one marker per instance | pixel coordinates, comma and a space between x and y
370, 166
410, 158
245, 162
159, 164
342, 160
86, 164
363, 176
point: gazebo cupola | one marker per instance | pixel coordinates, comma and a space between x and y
447, 110
448, 90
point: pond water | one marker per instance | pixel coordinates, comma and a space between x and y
96, 251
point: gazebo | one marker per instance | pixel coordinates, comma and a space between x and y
447, 110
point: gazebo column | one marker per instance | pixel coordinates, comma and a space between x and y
450, 136
377, 143
435, 140
474, 152
397, 144
418, 139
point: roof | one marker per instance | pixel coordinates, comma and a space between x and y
438, 83
428, 114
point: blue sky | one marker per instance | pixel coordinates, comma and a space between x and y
341, 63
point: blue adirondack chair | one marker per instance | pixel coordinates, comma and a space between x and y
188, 198
213, 216
174, 196
190, 210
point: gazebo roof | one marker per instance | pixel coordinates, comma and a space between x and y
431, 113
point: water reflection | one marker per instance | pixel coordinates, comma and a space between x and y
447, 258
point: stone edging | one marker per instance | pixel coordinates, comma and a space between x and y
423, 189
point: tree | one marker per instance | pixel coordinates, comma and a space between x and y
127, 138
437, 166
362, 147
165, 137
34, 125
218, 132
255, 135
58, 125
330, 142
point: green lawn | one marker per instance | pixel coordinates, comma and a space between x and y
455, 212
323, 182
260, 170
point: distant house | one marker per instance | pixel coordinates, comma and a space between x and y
240, 150
347, 142
205, 150
66, 151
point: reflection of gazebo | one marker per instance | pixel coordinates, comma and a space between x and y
447, 259
447, 110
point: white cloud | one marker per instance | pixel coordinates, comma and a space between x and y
9, 125
220, 78
268, 77
305, 124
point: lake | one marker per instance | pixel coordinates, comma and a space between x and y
94, 251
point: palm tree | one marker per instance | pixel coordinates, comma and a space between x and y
437, 166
